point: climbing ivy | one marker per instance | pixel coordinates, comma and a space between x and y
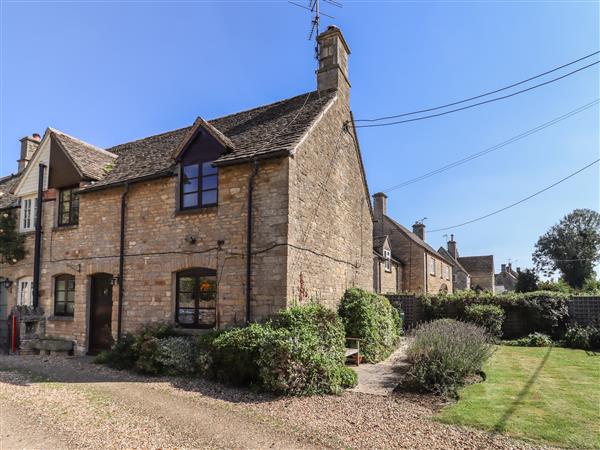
12, 243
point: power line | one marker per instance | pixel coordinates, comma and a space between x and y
481, 95
493, 148
475, 104
520, 201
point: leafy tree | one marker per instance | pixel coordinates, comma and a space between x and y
12, 243
572, 247
527, 281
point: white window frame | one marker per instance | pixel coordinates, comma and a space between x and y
387, 255
28, 213
446, 272
25, 291
432, 266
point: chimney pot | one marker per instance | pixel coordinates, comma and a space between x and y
36, 137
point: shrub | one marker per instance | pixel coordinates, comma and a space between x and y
373, 319
177, 355
578, 337
489, 317
232, 356
532, 340
444, 353
121, 356
305, 353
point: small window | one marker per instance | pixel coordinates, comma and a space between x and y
445, 272
68, 207
25, 291
64, 295
196, 298
28, 213
199, 185
431, 266
387, 260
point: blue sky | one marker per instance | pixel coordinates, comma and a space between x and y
109, 72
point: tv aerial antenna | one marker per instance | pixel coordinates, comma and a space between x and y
314, 6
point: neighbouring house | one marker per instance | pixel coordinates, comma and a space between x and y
216, 224
506, 280
470, 272
387, 269
424, 270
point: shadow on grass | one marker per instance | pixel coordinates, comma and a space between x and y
501, 424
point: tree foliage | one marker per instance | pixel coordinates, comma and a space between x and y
12, 243
527, 281
572, 247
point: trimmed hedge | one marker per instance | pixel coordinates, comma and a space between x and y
541, 311
489, 317
531, 340
373, 319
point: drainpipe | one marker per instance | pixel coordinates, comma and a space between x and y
249, 242
122, 260
37, 256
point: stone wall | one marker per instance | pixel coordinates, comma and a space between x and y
387, 282
484, 280
331, 228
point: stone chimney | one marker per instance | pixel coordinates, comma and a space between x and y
379, 210
452, 246
333, 62
503, 266
29, 145
419, 229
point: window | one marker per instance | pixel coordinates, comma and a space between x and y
431, 266
25, 291
28, 210
68, 207
64, 295
196, 298
445, 272
388, 260
199, 185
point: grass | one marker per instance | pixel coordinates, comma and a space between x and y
543, 394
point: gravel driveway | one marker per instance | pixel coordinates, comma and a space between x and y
69, 402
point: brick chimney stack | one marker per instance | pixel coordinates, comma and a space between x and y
419, 229
379, 211
452, 246
29, 145
333, 62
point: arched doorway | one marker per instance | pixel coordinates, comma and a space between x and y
100, 335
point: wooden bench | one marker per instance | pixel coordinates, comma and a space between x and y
350, 351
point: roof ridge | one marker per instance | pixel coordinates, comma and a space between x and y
150, 136
262, 106
81, 141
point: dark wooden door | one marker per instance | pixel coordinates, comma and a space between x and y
100, 313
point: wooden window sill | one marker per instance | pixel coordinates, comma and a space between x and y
201, 210
61, 318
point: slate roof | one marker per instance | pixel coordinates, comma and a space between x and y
378, 241
413, 237
266, 131
478, 264
91, 161
6, 184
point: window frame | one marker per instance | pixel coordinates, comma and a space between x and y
73, 203
432, 268
200, 188
29, 288
387, 255
28, 214
197, 273
68, 279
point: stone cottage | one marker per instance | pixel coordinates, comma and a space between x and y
423, 269
387, 268
212, 225
470, 272
507, 279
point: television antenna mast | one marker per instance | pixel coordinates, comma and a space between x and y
314, 7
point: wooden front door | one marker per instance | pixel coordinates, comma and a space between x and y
100, 313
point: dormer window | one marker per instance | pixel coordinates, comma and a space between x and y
28, 209
68, 207
199, 185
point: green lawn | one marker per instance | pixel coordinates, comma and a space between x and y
549, 394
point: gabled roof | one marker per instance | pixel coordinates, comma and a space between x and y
446, 254
192, 132
90, 161
378, 241
266, 131
478, 264
412, 236
6, 185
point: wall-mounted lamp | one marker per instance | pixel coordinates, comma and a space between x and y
7, 283
114, 281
